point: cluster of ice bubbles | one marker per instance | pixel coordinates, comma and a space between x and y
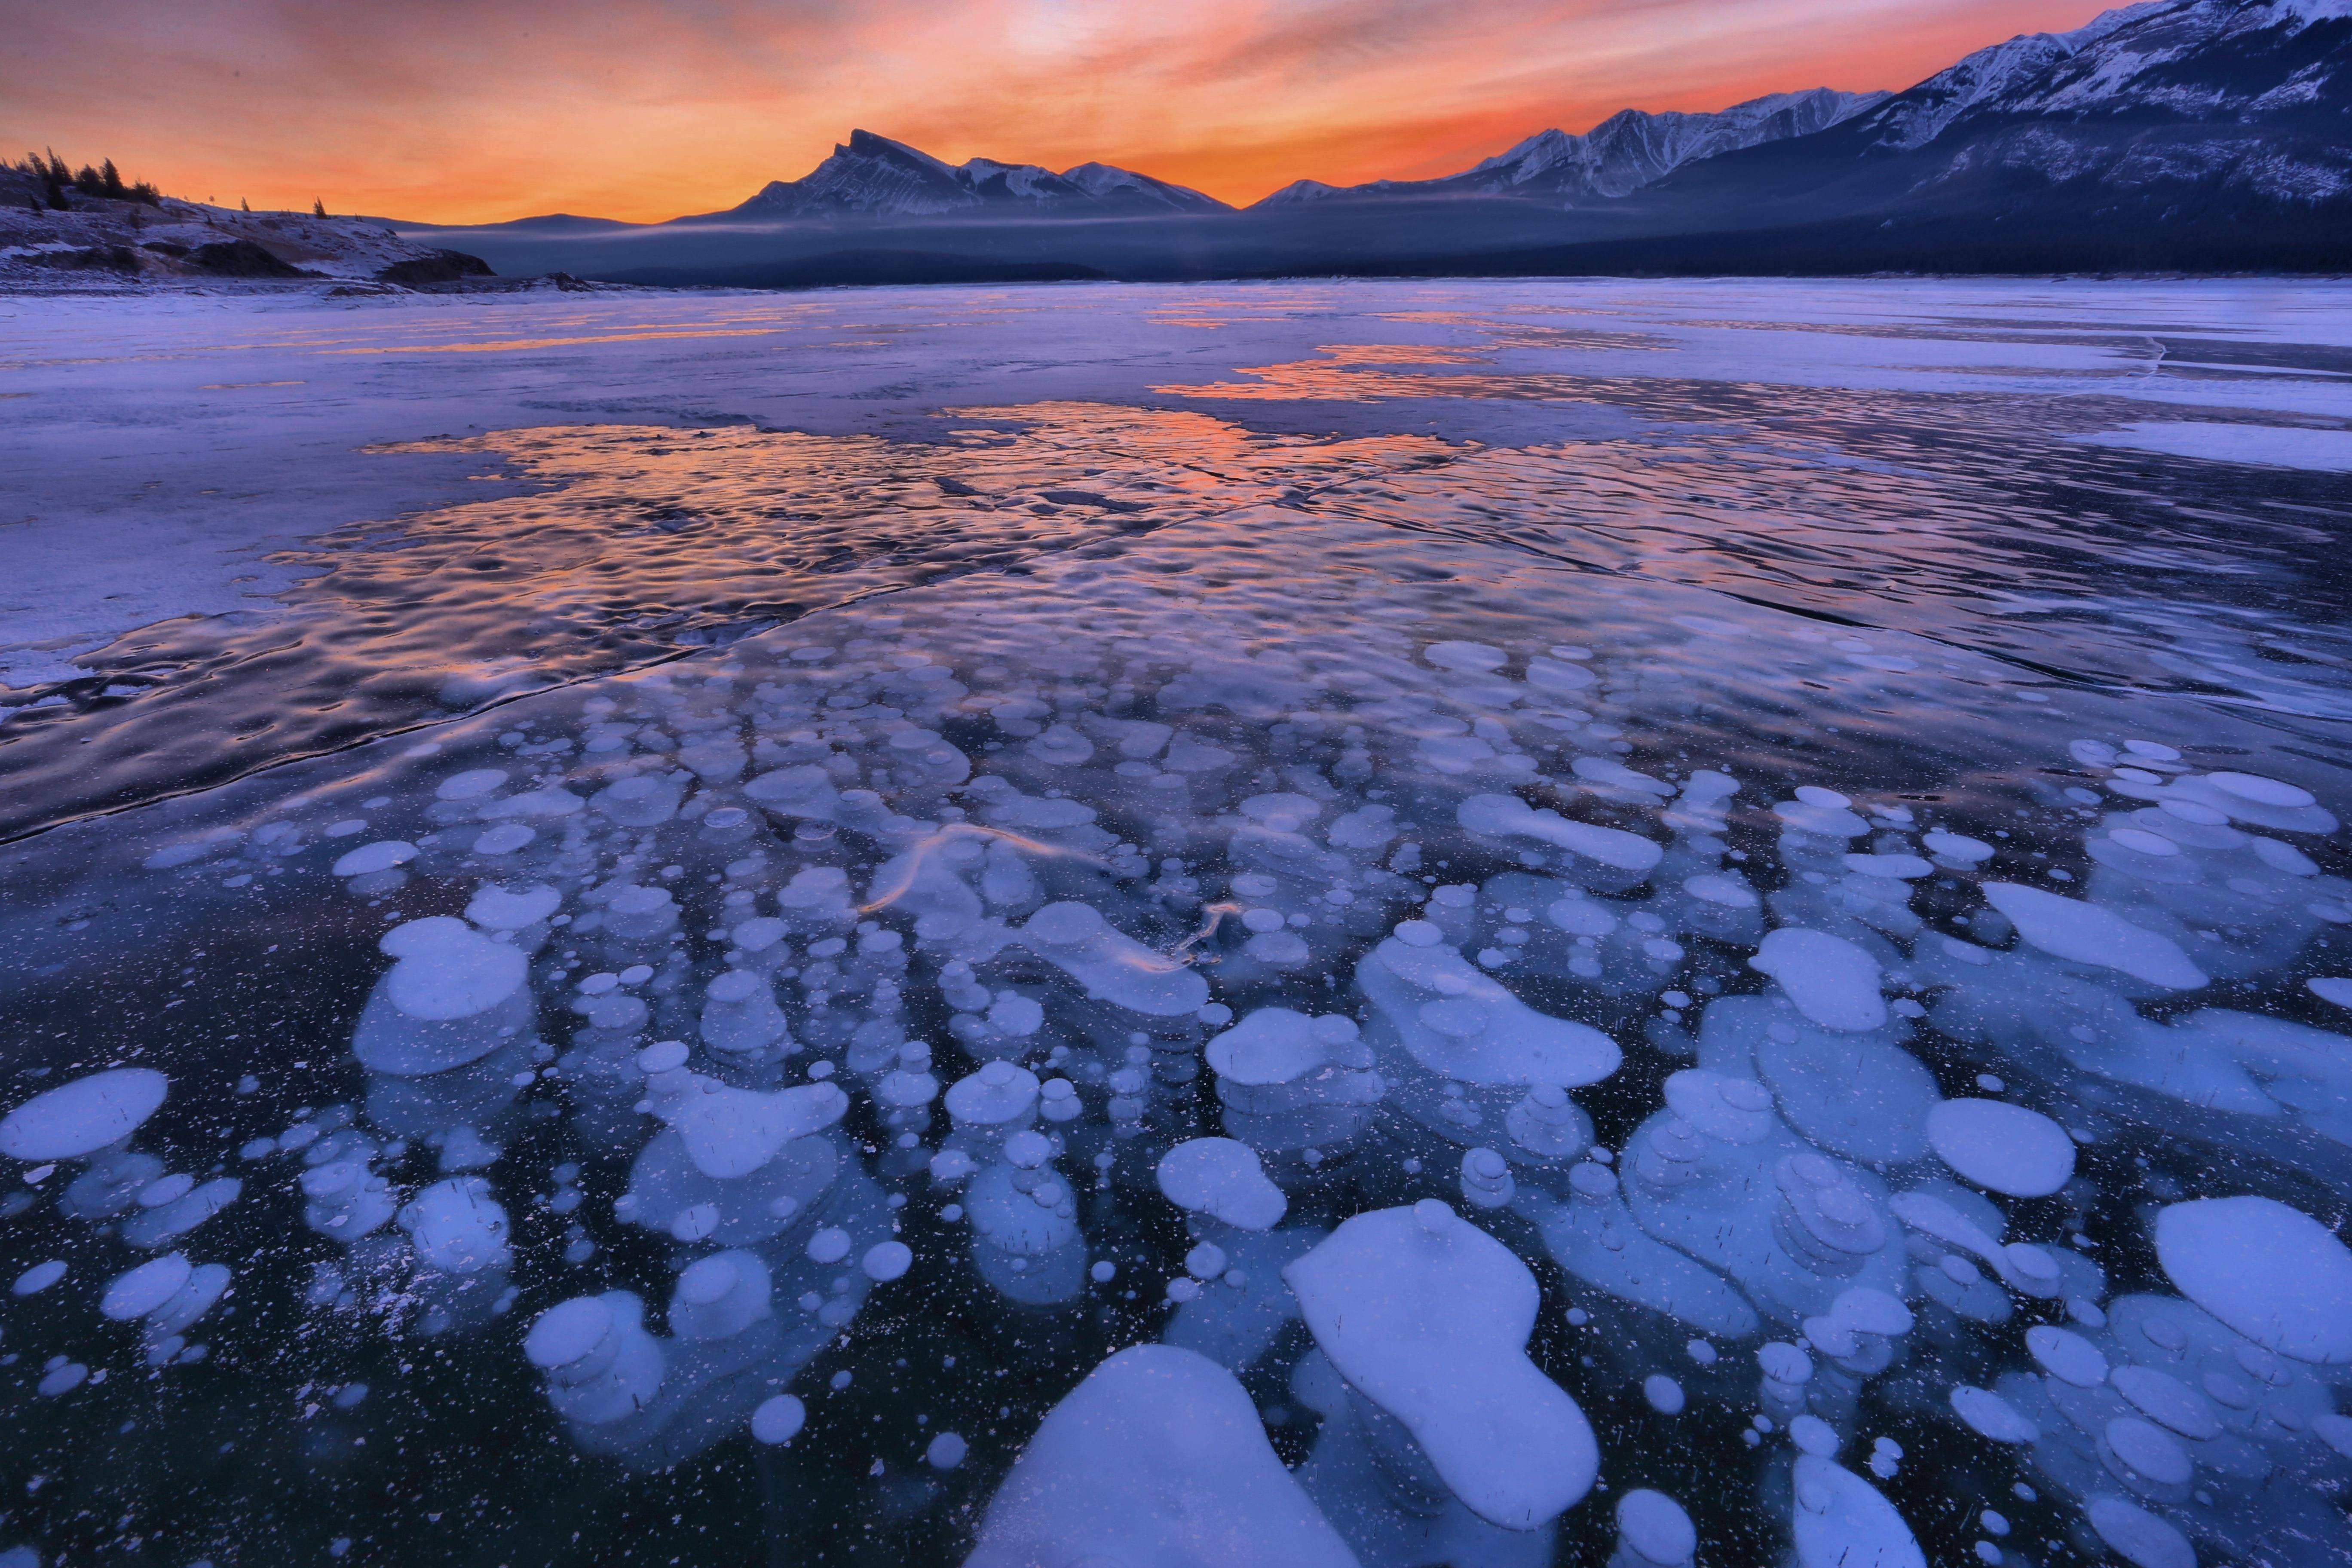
776, 939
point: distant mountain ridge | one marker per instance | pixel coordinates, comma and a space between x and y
1631, 148
2177, 107
871, 175
2168, 134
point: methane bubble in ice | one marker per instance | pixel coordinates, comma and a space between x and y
1427, 1317
2004, 1147
2272, 1273
1156, 1460
1099, 1066
77, 1120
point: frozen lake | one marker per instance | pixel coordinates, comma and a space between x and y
1613, 919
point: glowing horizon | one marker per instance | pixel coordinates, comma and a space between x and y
463, 113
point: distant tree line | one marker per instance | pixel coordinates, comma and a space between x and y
105, 181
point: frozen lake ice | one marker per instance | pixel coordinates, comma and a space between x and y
1414, 923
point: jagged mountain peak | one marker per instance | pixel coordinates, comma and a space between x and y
872, 175
1631, 148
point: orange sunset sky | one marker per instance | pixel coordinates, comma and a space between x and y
461, 110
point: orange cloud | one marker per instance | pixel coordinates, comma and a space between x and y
464, 111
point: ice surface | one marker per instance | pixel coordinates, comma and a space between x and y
1156, 1460
78, 1119
2289, 447
895, 1010
1428, 1317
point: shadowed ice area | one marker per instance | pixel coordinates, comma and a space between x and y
1627, 924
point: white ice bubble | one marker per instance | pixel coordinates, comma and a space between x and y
946, 1451
2089, 934
886, 1261
2271, 1272
457, 1227
1110, 965
39, 1277
447, 970
2004, 1147
1957, 848
1657, 1529
2166, 1401
1223, 1178
1506, 815
1833, 982
2261, 791
779, 1419
730, 1133
1902, 868
1428, 1317
470, 785
1812, 1435
1159, 1460
382, 856
146, 1288
1665, 1395
2066, 1355
1469, 657
504, 839
80, 1118
494, 908
1990, 1416
2140, 1538
2332, 988
2148, 1451
1842, 1522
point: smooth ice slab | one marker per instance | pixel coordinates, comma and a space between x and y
84, 1116
1428, 1317
2272, 1273
1156, 1460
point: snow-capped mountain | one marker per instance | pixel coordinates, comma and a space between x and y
2168, 134
2177, 107
1631, 148
1920, 115
874, 176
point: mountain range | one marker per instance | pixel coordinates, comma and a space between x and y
872, 175
2171, 133
1629, 149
